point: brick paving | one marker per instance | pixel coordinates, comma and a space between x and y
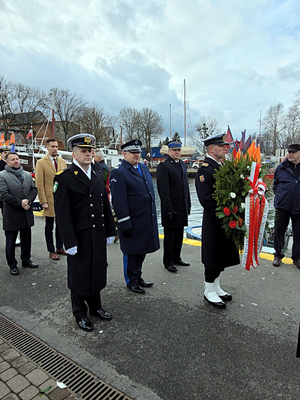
21, 379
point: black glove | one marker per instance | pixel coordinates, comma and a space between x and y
127, 232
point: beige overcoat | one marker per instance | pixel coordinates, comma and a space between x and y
44, 175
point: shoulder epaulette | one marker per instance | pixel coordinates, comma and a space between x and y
205, 164
60, 172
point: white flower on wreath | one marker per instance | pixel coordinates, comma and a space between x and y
242, 176
232, 195
242, 205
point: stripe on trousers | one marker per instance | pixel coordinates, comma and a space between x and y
125, 265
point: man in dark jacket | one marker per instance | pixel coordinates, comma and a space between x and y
286, 186
173, 189
85, 221
3, 151
133, 201
218, 251
17, 191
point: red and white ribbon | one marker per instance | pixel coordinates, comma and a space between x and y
256, 212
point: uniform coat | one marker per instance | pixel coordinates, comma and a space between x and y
218, 251
44, 175
84, 218
2, 166
173, 189
12, 192
133, 201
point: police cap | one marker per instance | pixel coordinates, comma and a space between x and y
133, 146
293, 148
82, 140
174, 144
5, 148
218, 139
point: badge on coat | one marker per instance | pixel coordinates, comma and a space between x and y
55, 186
201, 178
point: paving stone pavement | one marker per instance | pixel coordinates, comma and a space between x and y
21, 379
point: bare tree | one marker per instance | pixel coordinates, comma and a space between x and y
27, 107
152, 127
274, 128
95, 121
292, 124
68, 107
130, 121
6, 99
206, 127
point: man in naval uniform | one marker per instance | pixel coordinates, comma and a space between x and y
133, 201
85, 221
218, 251
173, 189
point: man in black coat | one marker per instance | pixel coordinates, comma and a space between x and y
85, 221
3, 151
286, 186
173, 189
17, 192
218, 251
133, 201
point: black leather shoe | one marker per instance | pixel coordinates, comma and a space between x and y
276, 262
136, 289
226, 297
144, 283
14, 271
297, 263
102, 314
30, 264
85, 324
182, 263
219, 304
171, 268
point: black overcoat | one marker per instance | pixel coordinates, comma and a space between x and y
174, 193
218, 251
84, 218
12, 192
133, 200
2, 166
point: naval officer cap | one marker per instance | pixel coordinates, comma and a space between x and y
82, 140
174, 144
218, 139
293, 148
5, 148
133, 146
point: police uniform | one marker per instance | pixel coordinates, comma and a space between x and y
218, 251
173, 189
85, 220
133, 201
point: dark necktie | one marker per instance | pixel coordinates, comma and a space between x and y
55, 163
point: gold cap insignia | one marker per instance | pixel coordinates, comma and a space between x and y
87, 140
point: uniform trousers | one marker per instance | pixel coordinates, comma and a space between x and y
133, 268
80, 303
282, 219
49, 235
172, 245
25, 237
212, 274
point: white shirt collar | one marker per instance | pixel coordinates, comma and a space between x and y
219, 162
88, 172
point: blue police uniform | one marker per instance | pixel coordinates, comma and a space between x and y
133, 200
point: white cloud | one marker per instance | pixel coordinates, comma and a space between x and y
237, 57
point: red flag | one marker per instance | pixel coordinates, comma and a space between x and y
29, 134
228, 137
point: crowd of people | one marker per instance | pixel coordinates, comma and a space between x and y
78, 200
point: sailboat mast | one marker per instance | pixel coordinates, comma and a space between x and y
184, 99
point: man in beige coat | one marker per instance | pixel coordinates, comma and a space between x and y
45, 171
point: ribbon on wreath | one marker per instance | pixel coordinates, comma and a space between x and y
256, 212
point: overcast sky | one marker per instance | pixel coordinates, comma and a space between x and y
238, 57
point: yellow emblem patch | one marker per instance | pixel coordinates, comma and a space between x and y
75, 172
201, 178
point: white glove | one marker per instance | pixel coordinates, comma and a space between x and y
110, 239
72, 251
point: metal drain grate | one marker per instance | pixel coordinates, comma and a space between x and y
82, 383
